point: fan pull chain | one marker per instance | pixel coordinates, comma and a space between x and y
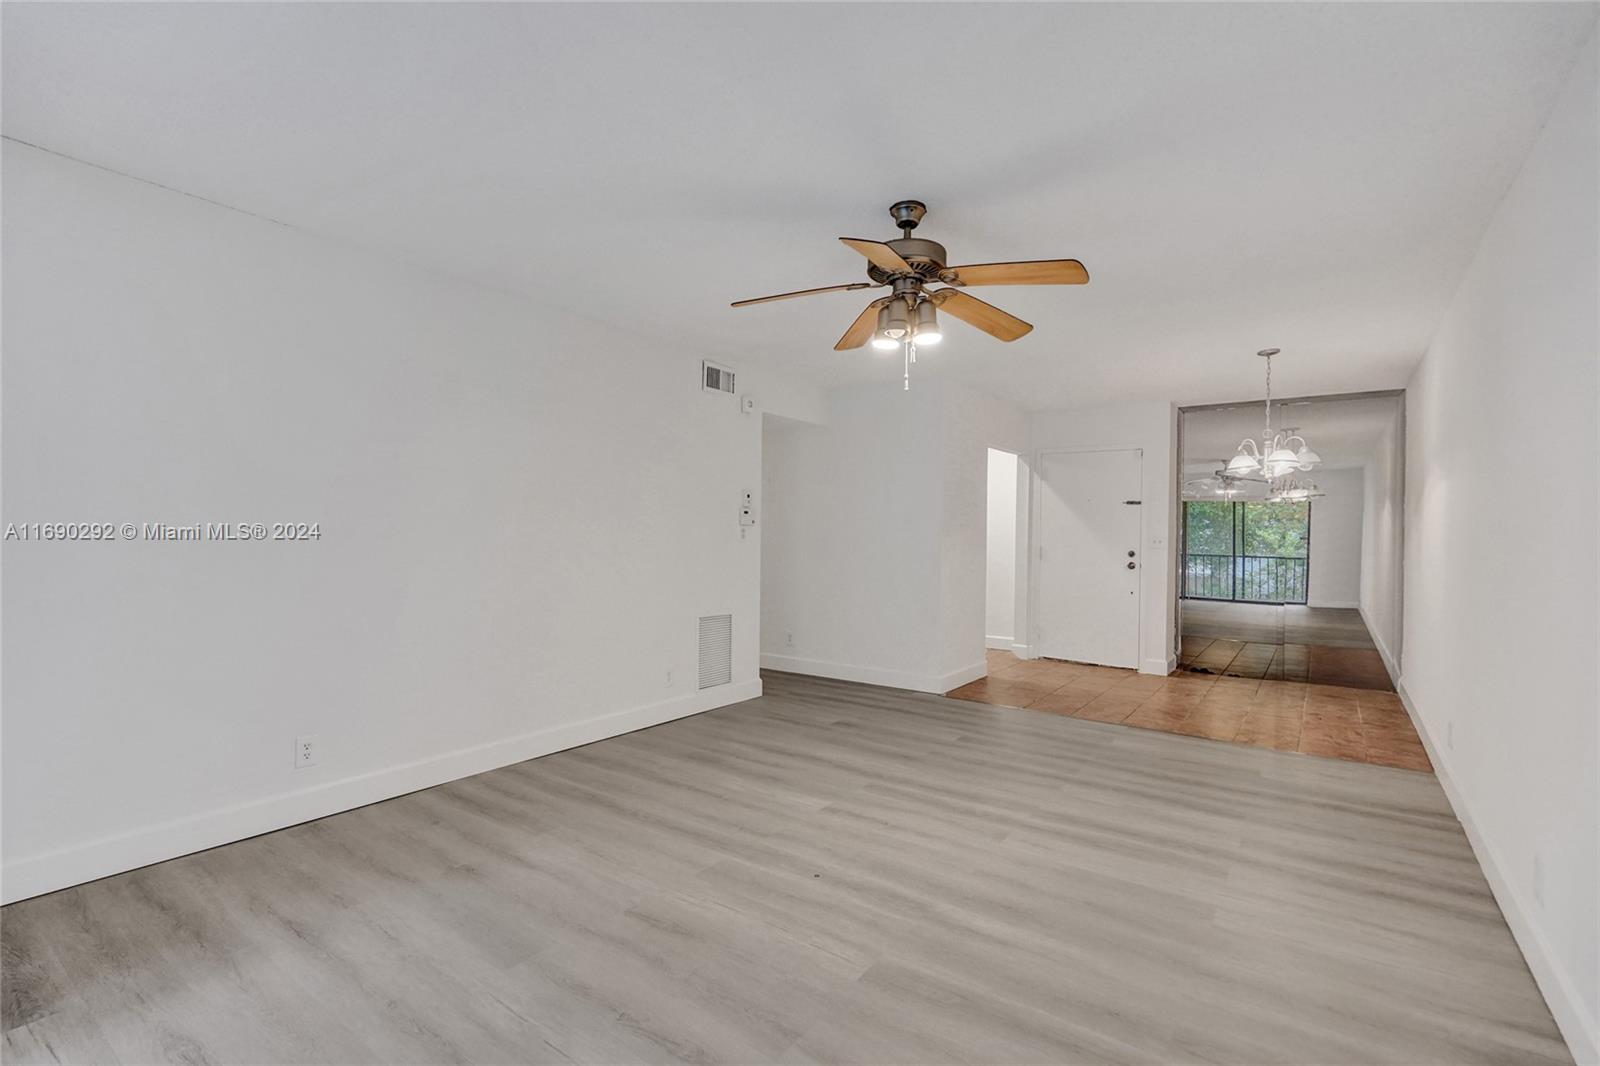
906, 351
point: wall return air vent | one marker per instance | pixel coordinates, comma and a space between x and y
716, 650
714, 378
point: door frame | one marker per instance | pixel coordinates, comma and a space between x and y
1175, 549
1035, 481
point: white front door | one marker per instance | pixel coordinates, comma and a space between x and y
1088, 557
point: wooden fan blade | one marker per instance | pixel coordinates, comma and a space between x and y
975, 312
1036, 272
860, 331
803, 292
881, 255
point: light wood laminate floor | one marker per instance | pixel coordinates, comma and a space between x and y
831, 873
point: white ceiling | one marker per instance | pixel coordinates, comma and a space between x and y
1346, 433
1309, 176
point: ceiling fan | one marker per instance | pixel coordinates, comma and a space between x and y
907, 265
1219, 484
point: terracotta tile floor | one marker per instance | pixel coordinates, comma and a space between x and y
1333, 721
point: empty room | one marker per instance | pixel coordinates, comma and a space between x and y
839, 533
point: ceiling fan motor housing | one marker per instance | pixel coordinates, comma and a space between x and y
926, 257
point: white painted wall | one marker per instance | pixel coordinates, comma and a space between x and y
1336, 519
874, 563
1501, 569
850, 567
1152, 427
522, 516
1000, 596
1382, 542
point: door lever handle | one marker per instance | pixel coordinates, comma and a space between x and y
1131, 566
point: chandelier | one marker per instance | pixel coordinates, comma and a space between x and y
1292, 490
1278, 456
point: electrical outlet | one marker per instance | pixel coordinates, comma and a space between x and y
788, 640
669, 678
1449, 736
305, 751
1538, 881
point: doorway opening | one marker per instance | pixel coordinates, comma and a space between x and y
1300, 589
1000, 554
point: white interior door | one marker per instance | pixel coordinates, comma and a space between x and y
1087, 606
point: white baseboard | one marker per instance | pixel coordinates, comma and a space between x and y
1578, 1026
74, 865
873, 675
1343, 605
1022, 651
1159, 667
1000, 643
957, 678
1389, 662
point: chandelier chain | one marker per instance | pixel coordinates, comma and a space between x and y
1266, 431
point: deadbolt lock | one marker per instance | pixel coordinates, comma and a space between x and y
1130, 553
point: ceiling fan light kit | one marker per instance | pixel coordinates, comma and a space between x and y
927, 324
908, 317
896, 322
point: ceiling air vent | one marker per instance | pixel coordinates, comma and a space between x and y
714, 378
716, 650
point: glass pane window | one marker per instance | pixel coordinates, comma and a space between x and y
1277, 530
1210, 527
1246, 551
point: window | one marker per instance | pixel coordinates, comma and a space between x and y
1246, 551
